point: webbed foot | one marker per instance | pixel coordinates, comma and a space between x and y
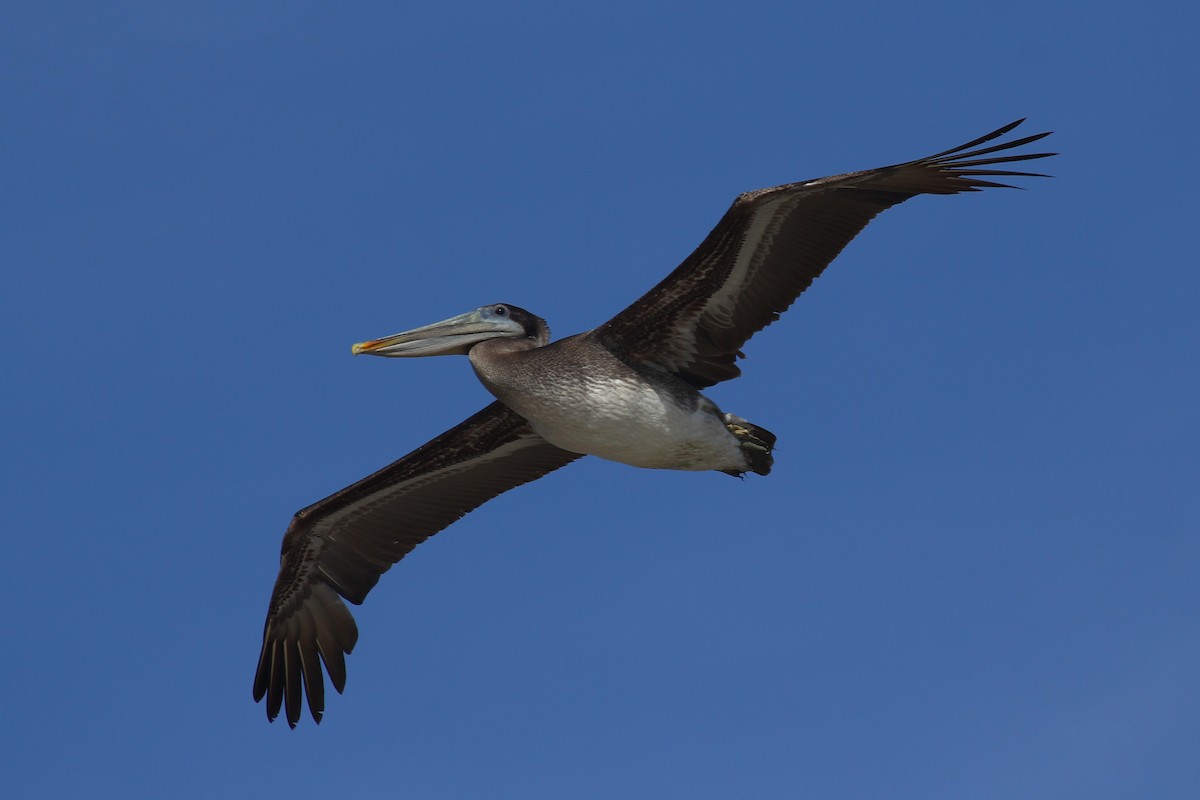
757, 444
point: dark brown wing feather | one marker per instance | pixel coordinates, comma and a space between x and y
770, 246
340, 546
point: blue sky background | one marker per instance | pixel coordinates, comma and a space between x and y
973, 572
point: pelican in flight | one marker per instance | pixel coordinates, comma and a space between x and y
628, 391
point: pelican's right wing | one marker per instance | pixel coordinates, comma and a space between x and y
342, 544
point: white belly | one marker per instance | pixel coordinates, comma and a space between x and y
631, 423
628, 421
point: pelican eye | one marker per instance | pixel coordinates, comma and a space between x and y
501, 311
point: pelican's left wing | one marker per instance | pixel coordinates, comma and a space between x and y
770, 246
340, 546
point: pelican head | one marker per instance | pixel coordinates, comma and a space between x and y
457, 335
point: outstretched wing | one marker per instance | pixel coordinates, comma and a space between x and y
768, 248
340, 546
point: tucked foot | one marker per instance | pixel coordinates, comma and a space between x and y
756, 443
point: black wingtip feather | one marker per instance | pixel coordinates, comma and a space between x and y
292, 685
987, 137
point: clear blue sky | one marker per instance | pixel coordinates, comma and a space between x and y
972, 574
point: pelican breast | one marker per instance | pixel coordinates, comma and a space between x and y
581, 397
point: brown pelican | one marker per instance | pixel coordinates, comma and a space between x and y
628, 391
